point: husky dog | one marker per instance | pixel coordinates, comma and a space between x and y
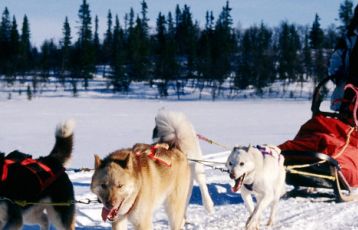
176, 130
16, 185
261, 172
132, 182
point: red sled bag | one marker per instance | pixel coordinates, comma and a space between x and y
330, 136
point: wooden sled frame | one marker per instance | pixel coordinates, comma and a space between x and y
318, 170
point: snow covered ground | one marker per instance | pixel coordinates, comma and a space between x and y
106, 124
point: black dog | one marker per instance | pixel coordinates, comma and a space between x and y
26, 184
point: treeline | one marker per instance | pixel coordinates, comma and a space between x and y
177, 50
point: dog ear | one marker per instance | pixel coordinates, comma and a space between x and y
123, 163
97, 161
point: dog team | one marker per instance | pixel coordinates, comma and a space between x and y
132, 182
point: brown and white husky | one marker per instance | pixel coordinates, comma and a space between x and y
131, 183
19, 176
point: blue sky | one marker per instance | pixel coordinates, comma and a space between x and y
47, 16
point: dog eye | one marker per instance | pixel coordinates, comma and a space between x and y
104, 186
242, 163
230, 164
119, 186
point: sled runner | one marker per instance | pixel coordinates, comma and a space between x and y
324, 153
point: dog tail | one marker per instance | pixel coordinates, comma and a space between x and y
64, 141
176, 130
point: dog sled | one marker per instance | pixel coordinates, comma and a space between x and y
324, 153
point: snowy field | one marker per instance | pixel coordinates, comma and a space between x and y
105, 124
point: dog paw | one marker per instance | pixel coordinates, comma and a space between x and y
270, 222
252, 225
209, 207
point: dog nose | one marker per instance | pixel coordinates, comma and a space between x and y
109, 204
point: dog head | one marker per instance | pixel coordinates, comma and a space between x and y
240, 163
114, 184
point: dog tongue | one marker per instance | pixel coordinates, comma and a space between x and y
105, 213
237, 185
108, 213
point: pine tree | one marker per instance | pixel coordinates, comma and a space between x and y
119, 78
223, 49
138, 55
5, 40
145, 18
65, 50
85, 43
256, 64
205, 53
49, 59
14, 48
307, 55
345, 14
108, 40
25, 50
316, 34
165, 68
96, 43
187, 35
316, 42
289, 45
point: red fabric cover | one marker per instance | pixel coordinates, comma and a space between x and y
328, 135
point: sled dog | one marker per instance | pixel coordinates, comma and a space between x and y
258, 171
176, 130
131, 183
20, 175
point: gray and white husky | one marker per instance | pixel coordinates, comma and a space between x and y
258, 171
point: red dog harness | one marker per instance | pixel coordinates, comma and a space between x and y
16, 164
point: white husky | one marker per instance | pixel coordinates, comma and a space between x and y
261, 172
175, 129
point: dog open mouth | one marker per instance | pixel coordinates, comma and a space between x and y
238, 183
110, 214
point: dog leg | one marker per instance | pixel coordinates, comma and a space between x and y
198, 173
145, 224
248, 201
36, 215
253, 221
120, 224
176, 202
273, 213
10, 216
188, 197
278, 193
